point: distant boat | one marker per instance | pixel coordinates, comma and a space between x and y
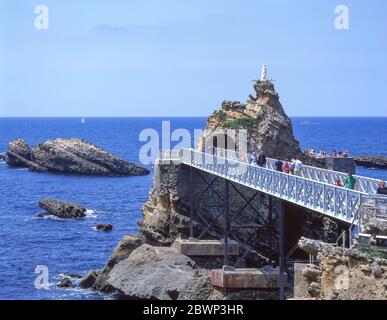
83, 120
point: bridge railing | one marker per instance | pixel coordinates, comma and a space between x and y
363, 184
319, 196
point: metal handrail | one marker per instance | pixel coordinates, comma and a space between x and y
366, 184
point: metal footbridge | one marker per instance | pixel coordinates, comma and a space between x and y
314, 189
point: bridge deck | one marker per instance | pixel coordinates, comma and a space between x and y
320, 196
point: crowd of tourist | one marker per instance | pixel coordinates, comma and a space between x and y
310, 152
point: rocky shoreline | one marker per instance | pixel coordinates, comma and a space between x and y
371, 161
71, 156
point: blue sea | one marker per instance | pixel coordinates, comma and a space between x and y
74, 246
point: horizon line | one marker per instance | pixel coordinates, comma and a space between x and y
171, 116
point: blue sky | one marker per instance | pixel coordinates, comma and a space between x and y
182, 58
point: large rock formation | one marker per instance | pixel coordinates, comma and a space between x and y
269, 129
74, 156
62, 209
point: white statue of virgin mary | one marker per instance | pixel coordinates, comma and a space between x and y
264, 73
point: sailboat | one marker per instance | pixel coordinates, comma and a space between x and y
83, 120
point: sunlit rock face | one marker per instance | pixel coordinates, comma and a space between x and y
268, 127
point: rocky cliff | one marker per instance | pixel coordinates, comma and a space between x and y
269, 129
73, 156
344, 274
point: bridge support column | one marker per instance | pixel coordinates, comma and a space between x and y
191, 203
282, 252
226, 221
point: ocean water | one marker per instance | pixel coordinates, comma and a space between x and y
73, 246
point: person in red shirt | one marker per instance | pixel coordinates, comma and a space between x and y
338, 183
286, 167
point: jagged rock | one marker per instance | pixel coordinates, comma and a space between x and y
310, 246
311, 274
159, 273
65, 283
74, 156
18, 154
314, 289
269, 129
89, 279
62, 209
121, 252
377, 270
371, 161
376, 226
104, 227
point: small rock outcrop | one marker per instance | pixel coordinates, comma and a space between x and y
89, 279
371, 161
65, 283
104, 227
159, 273
62, 209
73, 156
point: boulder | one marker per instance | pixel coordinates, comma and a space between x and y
371, 161
104, 227
89, 279
73, 156
62, 209
65, 283
159, 273
121, 252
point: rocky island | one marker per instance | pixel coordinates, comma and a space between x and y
74, 156
62, 209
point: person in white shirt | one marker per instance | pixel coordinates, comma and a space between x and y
297, 167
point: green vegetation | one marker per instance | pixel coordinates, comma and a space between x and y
374, 251
221, 115
239, 123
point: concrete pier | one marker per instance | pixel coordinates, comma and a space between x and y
213, 248
229, 278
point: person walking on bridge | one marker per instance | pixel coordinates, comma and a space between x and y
279, 165
261, 159
350, 181
286, 167
253, 160
382, 188
297, 167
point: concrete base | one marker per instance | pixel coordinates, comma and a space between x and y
199, 248
300, 283
247, 279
